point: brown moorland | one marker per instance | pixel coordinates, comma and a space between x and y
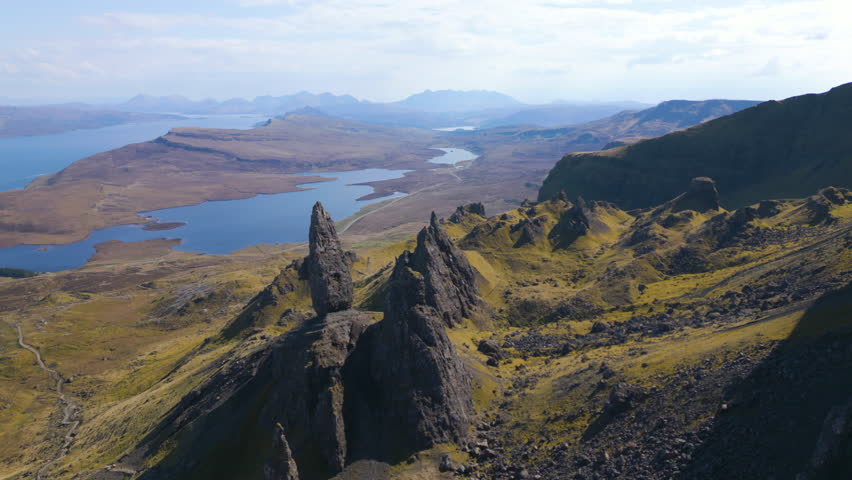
192, 165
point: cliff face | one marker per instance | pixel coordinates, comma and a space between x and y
785, 149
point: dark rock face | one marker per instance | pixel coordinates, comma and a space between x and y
343, 388
464, 210
417, 392
282, 466
328, 272
532, 231
702, 196
449, 282
573, 223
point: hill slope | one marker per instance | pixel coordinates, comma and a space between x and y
683, 341
775, 149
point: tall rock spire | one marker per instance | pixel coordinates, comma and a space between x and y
417, 391
449, 281
331, 283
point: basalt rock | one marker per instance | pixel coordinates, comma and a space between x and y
702, 196
409, 388
449, 282
328, 272
342, 387
532, 231
465, 210
573, 223
282, 466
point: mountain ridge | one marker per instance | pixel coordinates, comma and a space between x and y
782, 149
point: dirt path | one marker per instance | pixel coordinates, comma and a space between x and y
70, 410
450, 171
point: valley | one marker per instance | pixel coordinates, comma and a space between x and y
189, 166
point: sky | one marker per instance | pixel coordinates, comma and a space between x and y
385, 50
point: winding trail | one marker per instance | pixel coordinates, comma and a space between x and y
450, 171
70, 410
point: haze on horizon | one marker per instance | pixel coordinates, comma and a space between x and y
538, 51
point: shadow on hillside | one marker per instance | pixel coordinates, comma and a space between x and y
792, 416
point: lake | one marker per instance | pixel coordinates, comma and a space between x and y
219, 227
453, 156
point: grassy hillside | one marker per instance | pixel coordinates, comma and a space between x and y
773, 150
629, 342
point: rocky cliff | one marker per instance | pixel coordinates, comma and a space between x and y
783, 149
338, 387
413, 389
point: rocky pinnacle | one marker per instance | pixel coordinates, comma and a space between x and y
330, 281
450, 283
282, 467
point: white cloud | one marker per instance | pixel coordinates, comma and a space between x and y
381, 49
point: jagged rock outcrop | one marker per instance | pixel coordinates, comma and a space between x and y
532, 231
417, 392
341, 387
282, 466
819, 206
449, 281
328, 272
465, 210
573, 223
702, 196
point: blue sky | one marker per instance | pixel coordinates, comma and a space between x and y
537, 51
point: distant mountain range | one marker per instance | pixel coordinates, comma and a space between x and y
428, 109
262, 105
773, 150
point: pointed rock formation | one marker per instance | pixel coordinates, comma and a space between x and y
282, 466
573, 223
342, 387
532, 231
417, 392
449, 281
328, 273
702, 196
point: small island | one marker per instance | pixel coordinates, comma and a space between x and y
157, 227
